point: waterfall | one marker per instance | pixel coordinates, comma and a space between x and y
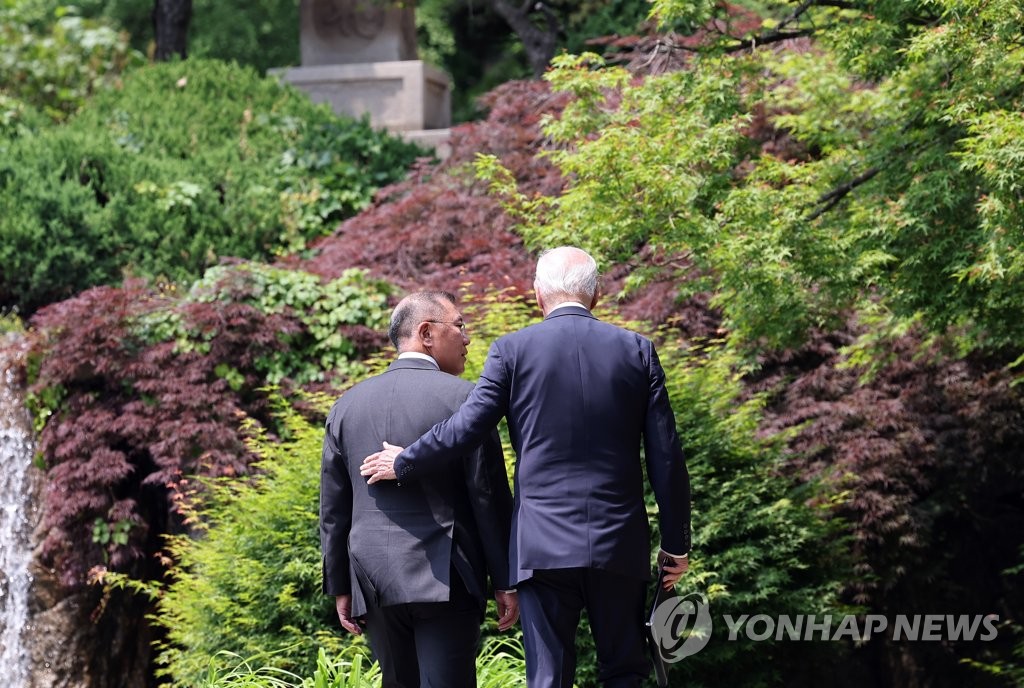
16, 449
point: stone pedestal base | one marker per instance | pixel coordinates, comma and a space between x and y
431, 138
407, 95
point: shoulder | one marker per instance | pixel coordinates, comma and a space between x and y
617, 333
451, 383
353, 394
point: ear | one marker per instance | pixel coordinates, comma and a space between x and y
424, 334
540, 301
593, 301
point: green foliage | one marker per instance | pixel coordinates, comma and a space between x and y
17, 118
10, 322
261, 34
57, 67
796, 191
249, 582
436, 39
500, 664
759, 545
187, 163
589, 19
344, 671
116, 533
324, 310
477, 47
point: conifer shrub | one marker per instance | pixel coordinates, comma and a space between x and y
249, 582
188, 163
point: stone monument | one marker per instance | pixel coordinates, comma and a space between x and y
360, 57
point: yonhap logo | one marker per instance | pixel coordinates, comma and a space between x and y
681, 626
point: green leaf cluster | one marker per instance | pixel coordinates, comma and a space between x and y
343, 671
185, 164
17, 118
323, 309
261, 34
878, 167
56, 67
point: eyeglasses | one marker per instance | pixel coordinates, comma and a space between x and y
458, 323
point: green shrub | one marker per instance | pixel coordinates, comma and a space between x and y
260, 34
760, 544
249, 583
186, 164
17, 118
338, 318
10, 322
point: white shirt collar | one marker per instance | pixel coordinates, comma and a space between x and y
568, 303
417, 354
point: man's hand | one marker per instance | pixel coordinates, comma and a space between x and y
508, 609
674, 567
343, 603
381, 465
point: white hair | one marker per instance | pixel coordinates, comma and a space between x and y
566, 273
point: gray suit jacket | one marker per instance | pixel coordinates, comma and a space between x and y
395, 544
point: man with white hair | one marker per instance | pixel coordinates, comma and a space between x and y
581, 397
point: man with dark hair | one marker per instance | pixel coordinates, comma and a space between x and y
581, 398
411, 563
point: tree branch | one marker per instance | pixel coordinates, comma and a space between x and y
766, 38
797, 13
832, 198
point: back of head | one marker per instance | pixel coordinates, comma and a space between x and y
414, 309
565, 274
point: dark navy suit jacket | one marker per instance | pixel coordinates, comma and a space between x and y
581, 398
397, 545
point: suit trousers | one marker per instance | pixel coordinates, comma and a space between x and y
427, 644
550, 604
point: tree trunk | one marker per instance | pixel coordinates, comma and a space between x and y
539, 43
170, 26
